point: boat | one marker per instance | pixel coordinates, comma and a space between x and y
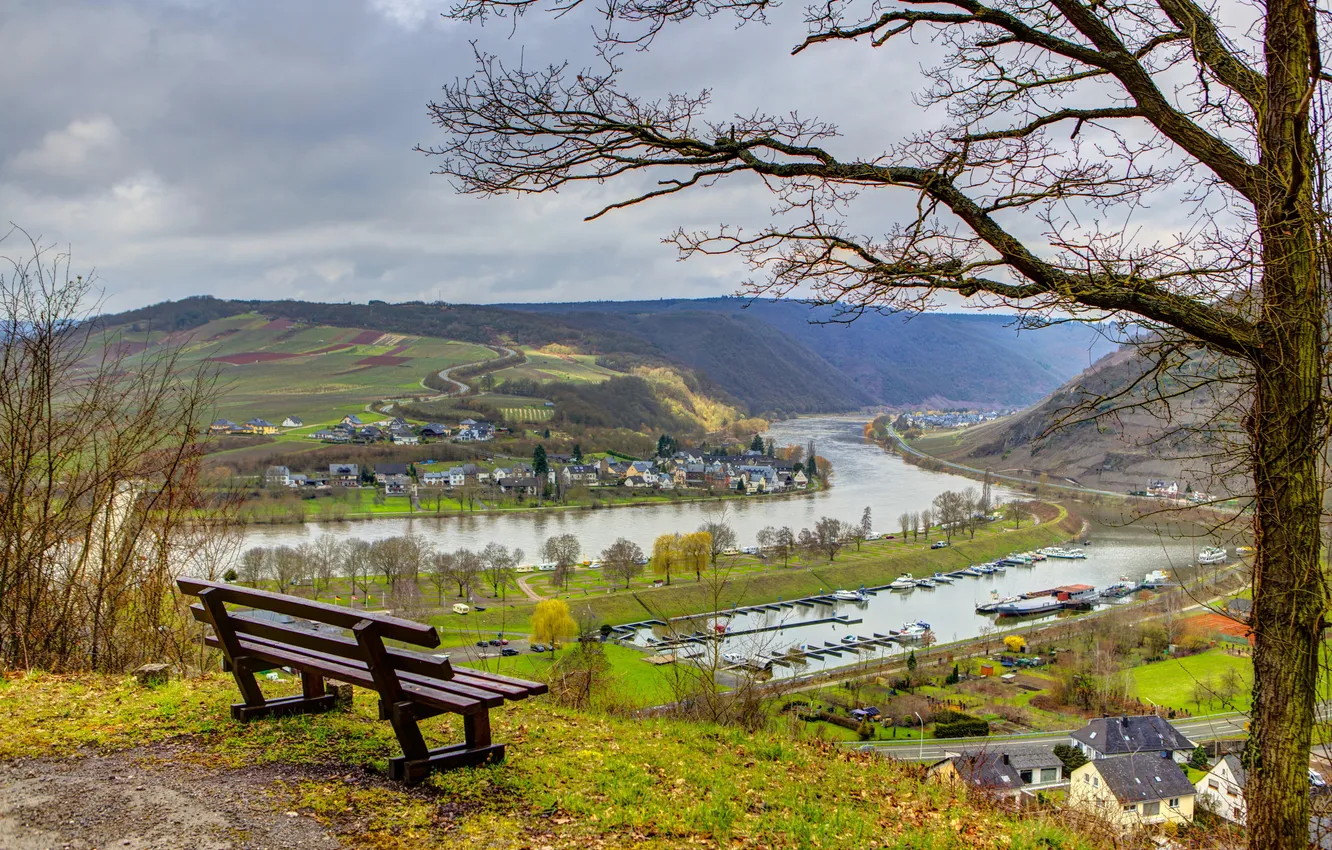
913, 631
1121, 588
903, 582
927, 583
1028, 607
849, 639
850, 595
970, 571
945, 579
1245, 551
1038, 556
986, 569
1157, 578
1212, 555
1063, 554
1000, 567
995, 601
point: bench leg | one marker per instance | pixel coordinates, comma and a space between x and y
313, 699
417, 762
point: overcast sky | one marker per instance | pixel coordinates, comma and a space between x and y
264, 149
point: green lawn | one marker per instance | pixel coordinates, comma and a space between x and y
1171, 683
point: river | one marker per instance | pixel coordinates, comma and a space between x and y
864, 475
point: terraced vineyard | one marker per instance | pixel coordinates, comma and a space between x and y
275, 369
527, 414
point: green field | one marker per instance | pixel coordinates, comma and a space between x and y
545, 365
316, 385
1171, 683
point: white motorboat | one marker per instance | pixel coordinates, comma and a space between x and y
850, 595
927, 583
1212, 555
913, 631
903, 582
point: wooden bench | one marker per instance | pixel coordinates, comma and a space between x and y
412, 686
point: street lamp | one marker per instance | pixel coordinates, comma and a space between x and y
921, 754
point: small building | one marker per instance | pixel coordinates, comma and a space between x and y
223, 426
434, 429
260, 426
1034, 766
352, 420
1133, 791
393, 476
278, 475
1221, 791
344, 474
293, 422
1146, 733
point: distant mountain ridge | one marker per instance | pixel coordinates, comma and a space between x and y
777, 357
944, 359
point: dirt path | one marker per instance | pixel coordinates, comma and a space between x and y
153, 799
527, 591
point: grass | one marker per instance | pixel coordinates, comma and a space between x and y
546, 365
571, 779
1172, 682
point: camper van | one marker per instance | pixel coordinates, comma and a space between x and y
460, 608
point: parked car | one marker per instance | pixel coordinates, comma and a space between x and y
497, 642
538, 647
482, 644
939, 544
508, 652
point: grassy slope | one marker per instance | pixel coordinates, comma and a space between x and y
319, 387
1171, 682
571, 779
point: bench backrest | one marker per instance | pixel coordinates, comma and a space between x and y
383, 625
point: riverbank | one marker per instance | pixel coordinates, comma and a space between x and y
400, 507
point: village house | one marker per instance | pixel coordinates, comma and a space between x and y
433, 479
1133, 791
394, 477
223, 426
578, 474
472, 431
525, 485
352, 419
278, 475
1020, 768
345, 474
1113, 736
405, 439
292, 422
434, 429
329, 435
1221, 791
259, 426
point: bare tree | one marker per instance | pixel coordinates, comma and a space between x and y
766, 539
622, 560
357, 568
499, 566
1221, 106
562, 550
830, 534
286, 565
904, 522
441, 571
254, 565
785, 543
721, 538
104, 497
927, 519
466, 570
325, 553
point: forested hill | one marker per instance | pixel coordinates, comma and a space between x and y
772, 356
941, 358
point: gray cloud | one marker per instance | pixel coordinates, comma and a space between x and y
247, 148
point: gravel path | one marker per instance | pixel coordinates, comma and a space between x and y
146, 799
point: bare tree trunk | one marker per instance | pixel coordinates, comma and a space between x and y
1286, 422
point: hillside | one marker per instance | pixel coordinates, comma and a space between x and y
85, 761
1119, 452
765, 357
939, 359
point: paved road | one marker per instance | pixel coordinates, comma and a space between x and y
1196, 729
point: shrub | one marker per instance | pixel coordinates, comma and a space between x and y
971, 727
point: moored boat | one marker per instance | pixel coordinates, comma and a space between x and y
1212, 555
903, 582
850, 595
